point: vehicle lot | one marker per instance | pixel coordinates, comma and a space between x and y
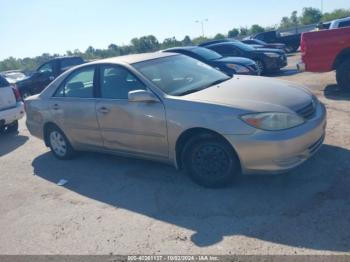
124, 206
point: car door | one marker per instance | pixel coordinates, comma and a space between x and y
131, 127
73, 108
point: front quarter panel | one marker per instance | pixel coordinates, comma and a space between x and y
183, 115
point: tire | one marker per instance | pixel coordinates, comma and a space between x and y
291, 49
343, 75
59, 144
260, 66
210, 162
12, 128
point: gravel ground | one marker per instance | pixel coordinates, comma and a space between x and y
124, 206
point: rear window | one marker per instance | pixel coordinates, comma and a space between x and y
69, 62
3, 82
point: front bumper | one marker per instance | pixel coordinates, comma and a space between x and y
10, 115
280, 151
276, 63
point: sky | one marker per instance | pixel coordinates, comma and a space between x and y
32, 27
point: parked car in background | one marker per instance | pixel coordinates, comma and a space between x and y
45, 74
11, 107
291, 41
327, 50
262, 44
339, 23
13, 76
175, 109
267, 60
228, 65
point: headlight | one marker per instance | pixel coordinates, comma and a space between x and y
273, 121
272, 55
238, 68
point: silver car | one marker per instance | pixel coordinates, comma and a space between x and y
172, 108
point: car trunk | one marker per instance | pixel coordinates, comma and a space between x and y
7, 98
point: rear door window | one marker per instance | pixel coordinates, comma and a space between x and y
79, 84
3, 82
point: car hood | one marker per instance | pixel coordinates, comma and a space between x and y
255, 94
235, 60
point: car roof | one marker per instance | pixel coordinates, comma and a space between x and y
132, 59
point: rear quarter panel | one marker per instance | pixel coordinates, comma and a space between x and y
320, 48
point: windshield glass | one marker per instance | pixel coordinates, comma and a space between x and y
206, 53
242, 46
179, 75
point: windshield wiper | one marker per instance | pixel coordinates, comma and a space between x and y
187, 92
217, 82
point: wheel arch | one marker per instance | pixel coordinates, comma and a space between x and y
341, 57
188, 134
46, 128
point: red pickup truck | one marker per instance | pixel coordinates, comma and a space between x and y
327, 50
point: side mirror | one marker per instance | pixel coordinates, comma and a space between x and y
142, 96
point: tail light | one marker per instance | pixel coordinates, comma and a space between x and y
16, 93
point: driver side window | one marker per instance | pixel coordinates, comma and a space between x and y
46, 68
116, 82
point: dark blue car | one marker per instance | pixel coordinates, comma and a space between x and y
228, 65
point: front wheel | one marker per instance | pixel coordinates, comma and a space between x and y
59, 144
260, 67
343, 75
210, 162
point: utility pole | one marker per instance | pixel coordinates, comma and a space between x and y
202, 24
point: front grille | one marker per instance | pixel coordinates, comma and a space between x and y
308, 111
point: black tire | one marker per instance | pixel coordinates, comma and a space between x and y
210, 162
261, 67
343, 75
12, 128
59, 144
291, 49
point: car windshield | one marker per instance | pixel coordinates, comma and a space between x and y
242, 46
180, 75
206, 53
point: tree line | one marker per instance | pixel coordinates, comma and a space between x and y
150, 43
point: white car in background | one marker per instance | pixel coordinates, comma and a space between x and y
11, 107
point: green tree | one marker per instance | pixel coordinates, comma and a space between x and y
336, 14
233, 33
186, 41
170, 42
255, 29
219, 36
243, 31
310, 15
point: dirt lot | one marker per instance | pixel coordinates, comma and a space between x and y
124, 206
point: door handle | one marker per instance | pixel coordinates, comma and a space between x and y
103, 110
56, 107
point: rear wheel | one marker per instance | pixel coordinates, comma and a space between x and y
210, 162
59, 144
343, 75
13, 127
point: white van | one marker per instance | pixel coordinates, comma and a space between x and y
11, 107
